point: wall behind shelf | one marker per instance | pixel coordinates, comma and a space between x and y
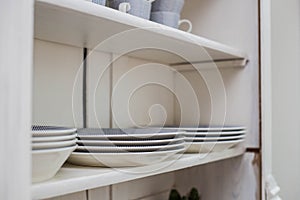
235, 23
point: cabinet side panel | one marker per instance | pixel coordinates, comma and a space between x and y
57, 89
73, 196
16, 39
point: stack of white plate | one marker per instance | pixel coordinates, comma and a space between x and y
126, 147
51, 146
207, 139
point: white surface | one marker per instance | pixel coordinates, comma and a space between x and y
16, 34
129, 142
53, 138
285, 80
84, 24
74, 178
57, 85
205, 147
50, 145
127, 159
46, 163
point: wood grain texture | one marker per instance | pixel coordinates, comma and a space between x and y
57, 89
16, 39
235, 23
232, 179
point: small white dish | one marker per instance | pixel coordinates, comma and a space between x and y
137, 136
41, 131
129, 159
214, 134
53, 138
51, 145
195, 139
129, 142
205, 147
130, 148
208, 129
46, 163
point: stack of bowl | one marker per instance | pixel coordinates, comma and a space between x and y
51, 147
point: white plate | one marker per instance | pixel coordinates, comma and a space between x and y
195, 139
137, 136
208, 129
214, 134
205, 147
121, 159
131, 148
46, 163
41, 131
129, 142
51, 145
53, 138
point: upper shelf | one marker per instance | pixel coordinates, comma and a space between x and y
84, 24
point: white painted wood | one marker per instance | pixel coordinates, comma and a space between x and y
159, 196
142, 93
98, 89
74, 196
285, 70
235, 23
16, 38
75, 178
57, 85
102, 193
266, 93
87, 25
231, 179
143, 188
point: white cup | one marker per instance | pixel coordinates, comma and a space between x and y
124, 7
188, 22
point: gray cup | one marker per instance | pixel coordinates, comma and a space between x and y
100, 2
170, 19
174, 6
139, 8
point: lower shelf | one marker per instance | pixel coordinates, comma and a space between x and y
73, 178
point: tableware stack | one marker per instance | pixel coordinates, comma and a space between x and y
168, 13
51, 146
212, 139
126, 147
139, 8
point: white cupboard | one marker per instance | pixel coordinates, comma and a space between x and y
85, 64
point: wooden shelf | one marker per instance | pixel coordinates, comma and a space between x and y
76, 178
84, 24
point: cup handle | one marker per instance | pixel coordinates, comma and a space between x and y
188, 22
124, 7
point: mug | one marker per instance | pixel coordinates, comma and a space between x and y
170, 19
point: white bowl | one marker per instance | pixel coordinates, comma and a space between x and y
52, 145
46, 163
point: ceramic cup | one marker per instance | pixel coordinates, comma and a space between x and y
170, 19
100, 2
139, 8
168, 6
